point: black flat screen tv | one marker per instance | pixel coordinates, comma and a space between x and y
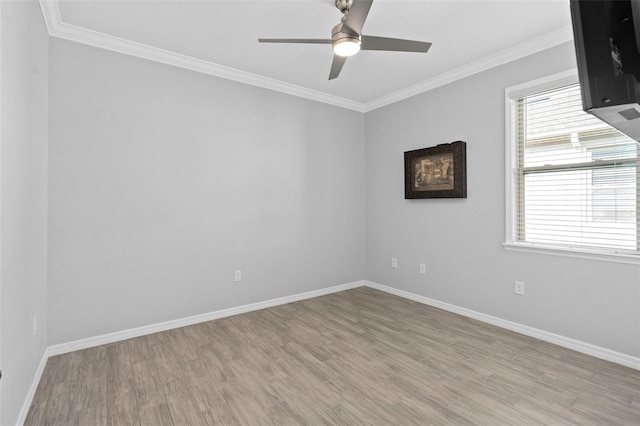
607, 40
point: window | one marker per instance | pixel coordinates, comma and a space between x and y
572, 181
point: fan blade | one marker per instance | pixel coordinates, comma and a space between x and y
393, 44
336, 66
295, 40
357, 15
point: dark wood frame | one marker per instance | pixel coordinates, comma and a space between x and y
454, 152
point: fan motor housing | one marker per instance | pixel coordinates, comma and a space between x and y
341, 31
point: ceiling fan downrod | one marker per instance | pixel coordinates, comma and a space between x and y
344, 5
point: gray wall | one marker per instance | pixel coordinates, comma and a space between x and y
461, 240
23, 176
163, 181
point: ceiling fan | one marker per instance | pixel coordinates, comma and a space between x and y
347, 38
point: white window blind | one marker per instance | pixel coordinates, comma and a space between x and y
575, 181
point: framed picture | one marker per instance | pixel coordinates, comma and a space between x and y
436, 172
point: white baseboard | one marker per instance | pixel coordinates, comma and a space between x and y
182, 322
576, 345
164, 326
22, 417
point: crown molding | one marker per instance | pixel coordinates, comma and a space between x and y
511, 54
57, 28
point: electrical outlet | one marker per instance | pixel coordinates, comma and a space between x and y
35, 324
519, 288
394, 263
423, 268
237, 276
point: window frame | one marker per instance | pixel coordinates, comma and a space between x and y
512, 94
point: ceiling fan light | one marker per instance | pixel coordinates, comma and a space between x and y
346, 46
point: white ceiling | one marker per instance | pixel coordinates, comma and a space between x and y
220, 37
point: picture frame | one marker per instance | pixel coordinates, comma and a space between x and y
436, 172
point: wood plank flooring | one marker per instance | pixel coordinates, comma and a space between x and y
356, 357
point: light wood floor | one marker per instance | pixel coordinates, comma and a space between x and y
355, 357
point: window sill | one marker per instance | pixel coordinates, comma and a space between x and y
576, 253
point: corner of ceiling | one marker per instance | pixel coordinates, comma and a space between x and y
57, 28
